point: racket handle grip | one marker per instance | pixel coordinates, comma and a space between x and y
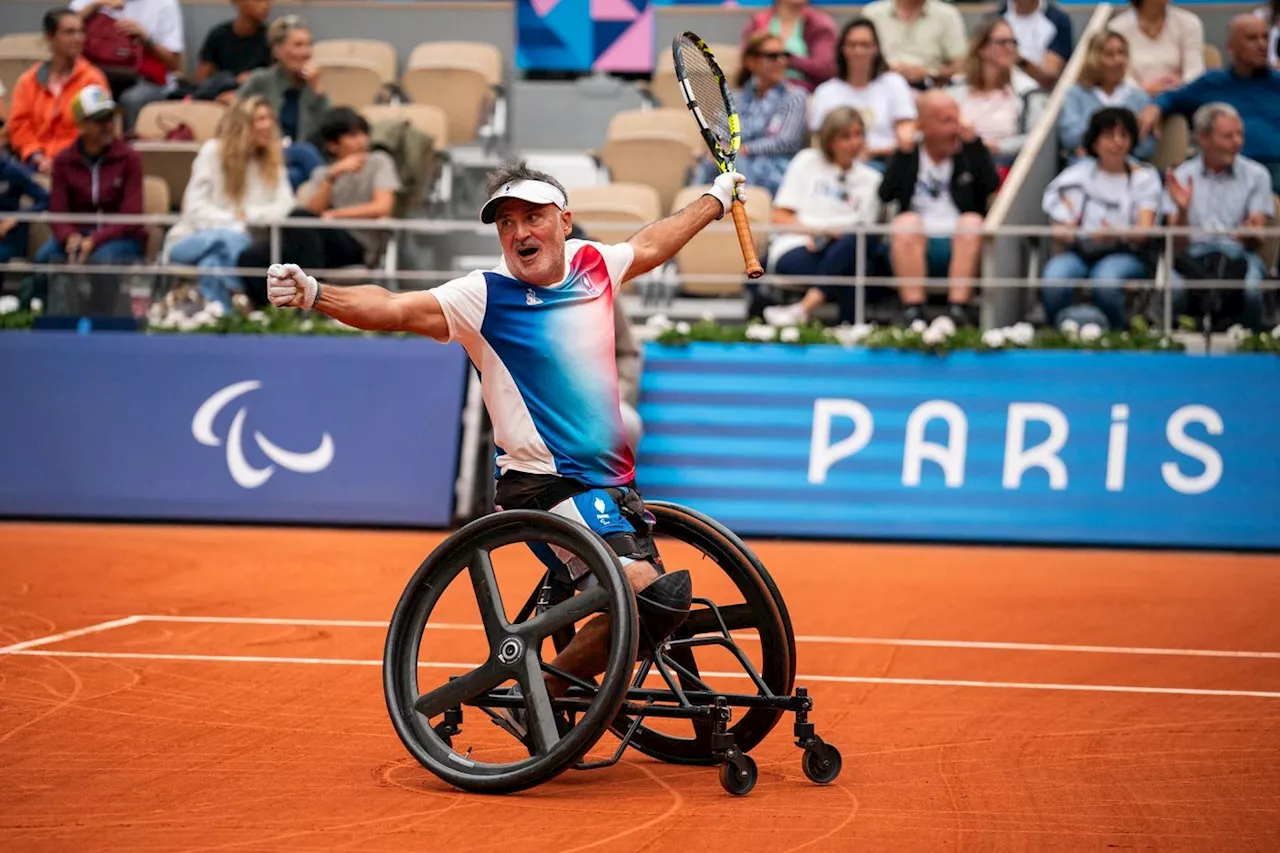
748, 243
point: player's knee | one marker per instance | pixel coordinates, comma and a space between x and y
663, 606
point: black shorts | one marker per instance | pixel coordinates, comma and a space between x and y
616, 513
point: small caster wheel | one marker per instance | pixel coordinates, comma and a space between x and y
822, 763
738, 775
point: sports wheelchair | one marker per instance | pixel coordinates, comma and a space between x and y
563, 730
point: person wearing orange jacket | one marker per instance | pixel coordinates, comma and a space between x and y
40, 122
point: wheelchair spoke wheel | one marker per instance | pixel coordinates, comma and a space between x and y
514, 653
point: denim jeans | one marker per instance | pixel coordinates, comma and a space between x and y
838, 259
210, 250
1251, 314
1106, 276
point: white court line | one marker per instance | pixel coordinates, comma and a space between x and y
836, 679
747, 635
67, 635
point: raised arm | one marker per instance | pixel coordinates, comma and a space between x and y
658, 242
364, 307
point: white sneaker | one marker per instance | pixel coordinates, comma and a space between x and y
785, 315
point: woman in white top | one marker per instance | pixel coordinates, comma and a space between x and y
1102, 83
884, 97
993, 95
1166, 44
238, 179
830, 191
1091, 206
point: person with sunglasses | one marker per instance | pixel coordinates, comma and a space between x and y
772, 112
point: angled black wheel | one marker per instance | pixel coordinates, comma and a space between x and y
757, 607
738, 776
514, 651
822, 764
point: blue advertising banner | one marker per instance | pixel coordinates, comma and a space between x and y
1069, 447
229, 428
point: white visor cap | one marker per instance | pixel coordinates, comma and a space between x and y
535, 192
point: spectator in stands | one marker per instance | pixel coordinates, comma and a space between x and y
100, 173
942, 188
292, 87
41, 124
359, 184
238, 180
772, 113
1220, 189
16, 183
1091, 205
808, 37
1271, 14
1166, 44
866, 84
157, 26
1102, 83
1249, 84
923, 40
828, 189
630, 360
994, 96
4, 104
232, 50
1043, 32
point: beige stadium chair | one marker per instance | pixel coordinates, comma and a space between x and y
654, 147
1174, 145
379, 55
716, 251
1212, 57
158, 118
625, 207
18, 52
353, 83
155, 201
465, 80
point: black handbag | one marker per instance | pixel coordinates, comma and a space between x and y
1217, 307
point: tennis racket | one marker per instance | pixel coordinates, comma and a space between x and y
706, 93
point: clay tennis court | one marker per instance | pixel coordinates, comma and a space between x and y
207, 688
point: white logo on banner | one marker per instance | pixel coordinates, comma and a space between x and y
242, 472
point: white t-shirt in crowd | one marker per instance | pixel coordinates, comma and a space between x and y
883, 103
1034, 32
161, 19
1096, 199
932, 197
825, 196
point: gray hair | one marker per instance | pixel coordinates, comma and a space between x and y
1207, 116
519, 170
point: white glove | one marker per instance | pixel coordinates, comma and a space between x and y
726, 186
288, 286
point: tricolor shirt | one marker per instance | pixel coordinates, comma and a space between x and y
546, 362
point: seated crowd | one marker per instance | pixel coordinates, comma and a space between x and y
899, 115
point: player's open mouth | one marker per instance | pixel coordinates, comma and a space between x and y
527, 252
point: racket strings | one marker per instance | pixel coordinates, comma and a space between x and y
704, 84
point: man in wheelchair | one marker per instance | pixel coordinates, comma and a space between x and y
539, 329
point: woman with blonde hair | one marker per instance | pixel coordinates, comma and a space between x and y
1102, 83
832, 191
238, 180
994, 95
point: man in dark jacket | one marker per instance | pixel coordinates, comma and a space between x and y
99, 173
941, 188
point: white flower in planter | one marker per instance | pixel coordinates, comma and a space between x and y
1022, 334
683, 328
790, 335
215, 309
37, 306
1275, 333
761, 332
659, 322
1070, 327
1090, 332
188, 324
8, 304
259, 317
933, 336
307, 325
918, 326
708, 317
203, 318
155, 313
993, 338
1237, 333
943, 324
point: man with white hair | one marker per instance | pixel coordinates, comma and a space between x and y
1220, 189
540, 330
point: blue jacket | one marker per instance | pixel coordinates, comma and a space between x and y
1256, 98
1079, 107
15, 182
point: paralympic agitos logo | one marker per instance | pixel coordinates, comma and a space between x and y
242, 471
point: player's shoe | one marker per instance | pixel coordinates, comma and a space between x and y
515, 721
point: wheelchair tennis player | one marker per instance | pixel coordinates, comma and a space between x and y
539, 328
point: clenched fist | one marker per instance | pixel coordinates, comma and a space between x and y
288, 286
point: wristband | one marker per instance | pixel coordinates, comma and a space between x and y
319, 290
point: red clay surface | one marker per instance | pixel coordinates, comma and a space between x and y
275, 736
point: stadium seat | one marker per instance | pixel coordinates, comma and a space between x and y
664, 88
465, 80
573, 169
351, 82
1174, 145
1212, 57
379, 55
716, 250
628, 207
655, 147
18, 52
158, 118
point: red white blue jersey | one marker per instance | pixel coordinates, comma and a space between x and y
546, 362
